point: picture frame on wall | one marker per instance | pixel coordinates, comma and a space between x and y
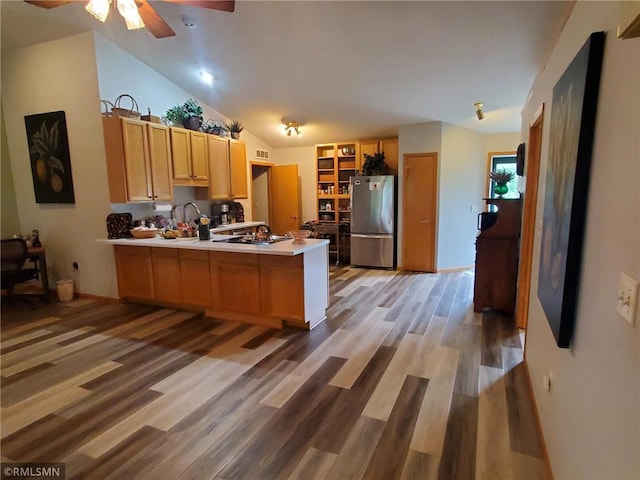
572, 126
49, 157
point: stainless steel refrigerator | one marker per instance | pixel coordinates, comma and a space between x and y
373, 221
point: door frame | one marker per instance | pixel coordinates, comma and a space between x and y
268, 165
527, 234
405, 203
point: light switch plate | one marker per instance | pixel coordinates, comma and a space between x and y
627, 298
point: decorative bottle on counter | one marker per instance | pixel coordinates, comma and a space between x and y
35, 243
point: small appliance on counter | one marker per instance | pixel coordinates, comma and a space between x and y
225, 217
203, 228
220, 214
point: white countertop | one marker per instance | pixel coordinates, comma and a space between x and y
284, 247
235, 226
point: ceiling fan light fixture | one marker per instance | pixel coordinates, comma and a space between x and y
292, 126
479, 112
129, 10
99, 9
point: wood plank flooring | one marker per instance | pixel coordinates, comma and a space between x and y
403, 381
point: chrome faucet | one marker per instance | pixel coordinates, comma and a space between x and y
184, 211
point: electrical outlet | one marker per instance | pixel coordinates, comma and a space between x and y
474, 208
627, 298
546, 382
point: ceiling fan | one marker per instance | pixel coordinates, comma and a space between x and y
139, 13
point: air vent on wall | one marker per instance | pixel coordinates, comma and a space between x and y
262, 154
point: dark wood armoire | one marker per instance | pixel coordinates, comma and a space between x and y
497, 248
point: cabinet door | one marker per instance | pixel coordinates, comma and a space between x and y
235, 282
166, 274
136, 160
369, 147
199, 156
282, 286
196, 277
238, 169
390, 148
181, 153
218, 153
135, 272
160, 160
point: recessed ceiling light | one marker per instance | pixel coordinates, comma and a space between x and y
188, 21
206, 77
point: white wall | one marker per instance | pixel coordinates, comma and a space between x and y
463, 163
305, 158
591, 417
61, 75
501, 142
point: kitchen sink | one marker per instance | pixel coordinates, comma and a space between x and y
250, 240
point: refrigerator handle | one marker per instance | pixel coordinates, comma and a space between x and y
358, 235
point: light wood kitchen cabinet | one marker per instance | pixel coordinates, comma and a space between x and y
189, 155
218, 151
196, 277
166, 275
282, 286
235, 282
228, 169
387, 145
238, 169
138, 160
135, 272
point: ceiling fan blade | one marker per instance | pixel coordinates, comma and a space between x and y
153, 21
48, 3
223, 5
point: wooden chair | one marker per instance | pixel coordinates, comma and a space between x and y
14, 254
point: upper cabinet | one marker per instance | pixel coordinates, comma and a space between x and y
238, 169
228, 168
138, 160
189, 152
388, 145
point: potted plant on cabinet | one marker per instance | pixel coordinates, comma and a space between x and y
192, 114
235, 128
175, 116
374, 164
501, 177
214, 128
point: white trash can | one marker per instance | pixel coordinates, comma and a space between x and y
65, 290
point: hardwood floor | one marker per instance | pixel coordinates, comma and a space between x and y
403, 381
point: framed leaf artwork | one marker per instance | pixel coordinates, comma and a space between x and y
49, 157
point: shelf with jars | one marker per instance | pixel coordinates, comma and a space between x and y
335, 164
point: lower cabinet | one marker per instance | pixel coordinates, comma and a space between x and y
166, 274
264, 289
135, 272
235, 282
282, 281
195, 279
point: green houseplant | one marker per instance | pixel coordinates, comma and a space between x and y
175, 115
235, 128
192, 114
375, 164
501, 177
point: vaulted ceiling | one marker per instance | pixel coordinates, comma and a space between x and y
344, 69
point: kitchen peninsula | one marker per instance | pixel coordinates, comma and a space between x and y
280, 284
